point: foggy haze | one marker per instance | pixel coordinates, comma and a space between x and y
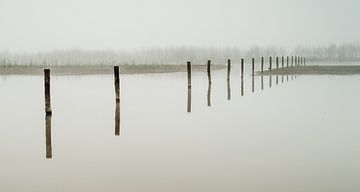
44, 25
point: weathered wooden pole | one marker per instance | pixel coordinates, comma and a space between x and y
189, 86
298, 61
253, 66
277, 62
209, 84
295, 60
270, 63
282, 61
117, 83
287, 61
47, 91
228, 80
242, 67
304, 61
262, 64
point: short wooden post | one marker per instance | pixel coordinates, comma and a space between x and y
189, 86
282, 61
228, 80
253, 66
270, 63
209, 84
277, 62
304, 61
242, 67
262, 64
295, 60
117, 83
287, 61
47, 91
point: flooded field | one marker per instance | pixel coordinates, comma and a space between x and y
276, 133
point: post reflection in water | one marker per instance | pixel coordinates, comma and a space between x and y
262, 82
270, 81
48, 136
189, 100
282, 78
287, 77
277, 79
242, 85
253, 83
117, 119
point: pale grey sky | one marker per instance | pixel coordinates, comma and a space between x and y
40, 25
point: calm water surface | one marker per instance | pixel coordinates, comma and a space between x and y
302, 134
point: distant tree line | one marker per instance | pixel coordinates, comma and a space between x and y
178, 55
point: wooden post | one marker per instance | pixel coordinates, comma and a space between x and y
304, 61
209, 85
295, 60
253, 66
277, 62
270, 63
47, 91
242, 67
262, 64
189, 86
282, 61
287, 61
228, 80
117, 83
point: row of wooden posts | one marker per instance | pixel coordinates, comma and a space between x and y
299, 61
295, 61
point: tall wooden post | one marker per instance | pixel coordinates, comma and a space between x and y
228, 80
287, 61
270, 63
292, 61
189, 86
295, 60
282, 61
253, 66
277, 62
117, 83
47, 91
209, 84
262, 64
242, 67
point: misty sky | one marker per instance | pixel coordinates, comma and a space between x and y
40, 25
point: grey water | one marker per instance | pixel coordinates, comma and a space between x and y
251, 133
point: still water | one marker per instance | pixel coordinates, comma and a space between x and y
293, 134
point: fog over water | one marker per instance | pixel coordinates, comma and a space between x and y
44, 25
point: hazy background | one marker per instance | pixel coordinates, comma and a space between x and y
43, 25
